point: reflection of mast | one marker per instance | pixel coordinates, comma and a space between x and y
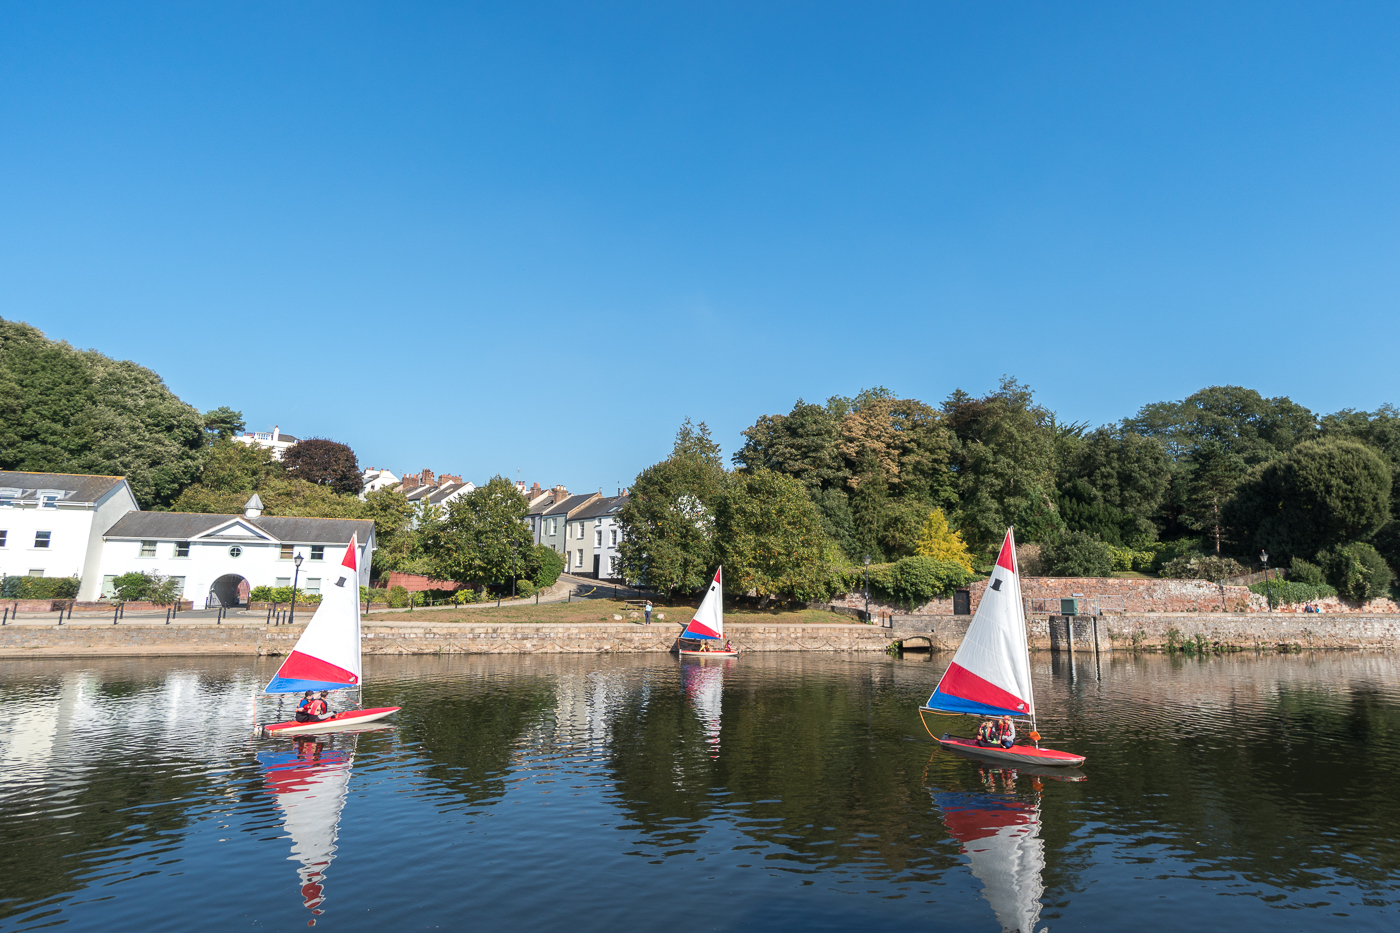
704, 687
1001, 838
310, 783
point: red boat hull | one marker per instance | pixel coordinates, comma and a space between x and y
1019, 754
348, 719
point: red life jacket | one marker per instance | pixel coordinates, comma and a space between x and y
317, 706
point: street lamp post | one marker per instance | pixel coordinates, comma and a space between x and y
867, 588
1268, 588
296, 572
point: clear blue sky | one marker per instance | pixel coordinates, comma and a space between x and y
530, 236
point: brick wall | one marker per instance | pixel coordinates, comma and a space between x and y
416, 582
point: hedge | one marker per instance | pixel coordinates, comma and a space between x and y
40, 588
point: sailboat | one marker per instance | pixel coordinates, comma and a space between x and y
1000, 835
327, 656
705, 631
990, 674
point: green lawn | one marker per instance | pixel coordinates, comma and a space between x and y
603, 610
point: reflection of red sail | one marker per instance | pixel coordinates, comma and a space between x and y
1001, 838
310, 784
704, 688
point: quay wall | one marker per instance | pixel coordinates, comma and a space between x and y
1117, 632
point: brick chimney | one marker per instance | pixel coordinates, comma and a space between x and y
448, 478
534, 492
560, 494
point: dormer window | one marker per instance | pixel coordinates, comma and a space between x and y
10, 496
48, 498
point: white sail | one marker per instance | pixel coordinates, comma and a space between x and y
708, 621
327, 656
990, 674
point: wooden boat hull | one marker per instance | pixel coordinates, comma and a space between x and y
349, 719
1018, 754
687, 653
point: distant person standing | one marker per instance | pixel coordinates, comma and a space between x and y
648, 611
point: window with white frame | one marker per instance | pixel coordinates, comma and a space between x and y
36, 571
10, 496
579, 565
49, 500
182, 549
284, 581
614, 537
148, 549
179, 586
286, 552
612, 566
598, 536
42, 539
4, 537
313, 586
318, 552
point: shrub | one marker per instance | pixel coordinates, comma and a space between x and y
40, 588
546, 566
1077, 554
915, 580
465, 595
1126, 559
1201, 567
283, 594
1288, 592
524, 588
1302, 571
398, 597
1168, 551
1028, 560
1357, 571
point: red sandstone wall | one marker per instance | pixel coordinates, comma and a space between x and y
416, 582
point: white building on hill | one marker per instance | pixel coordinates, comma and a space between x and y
274, 440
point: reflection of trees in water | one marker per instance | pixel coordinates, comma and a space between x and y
1257, 765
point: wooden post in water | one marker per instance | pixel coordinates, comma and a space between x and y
1096, 636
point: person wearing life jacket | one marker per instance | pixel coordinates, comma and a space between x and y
303, 713
1006, 732
318, 709
987, 733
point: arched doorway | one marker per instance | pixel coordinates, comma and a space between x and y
229, 591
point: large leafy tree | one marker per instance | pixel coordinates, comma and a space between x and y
1240, 420
69, 411
223, 424
483, 538
1005, 465
325, 463
804, 444
1210, 481
668, 523
233, 472
939, 541
1322, 494
770, 537
1380, 430
1112, 483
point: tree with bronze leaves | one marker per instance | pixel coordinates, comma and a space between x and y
325, 463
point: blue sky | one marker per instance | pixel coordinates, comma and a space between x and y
535, 237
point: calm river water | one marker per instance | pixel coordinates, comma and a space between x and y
778, 792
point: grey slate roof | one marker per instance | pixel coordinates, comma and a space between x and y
569, 504
182, 526
601, 507
79, 487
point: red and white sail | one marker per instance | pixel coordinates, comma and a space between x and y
327, 656
990, 674
708, 621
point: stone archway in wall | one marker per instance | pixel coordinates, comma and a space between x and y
228, 591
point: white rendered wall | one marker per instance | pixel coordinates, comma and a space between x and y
70, 527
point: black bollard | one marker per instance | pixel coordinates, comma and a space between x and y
5, 619
116, 612
167, 615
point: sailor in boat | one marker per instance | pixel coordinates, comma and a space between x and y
303, 713
987, 733
729, 646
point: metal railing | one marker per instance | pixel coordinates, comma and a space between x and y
1088, 605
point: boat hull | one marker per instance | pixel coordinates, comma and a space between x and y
349, 719
687, 653
1019, 754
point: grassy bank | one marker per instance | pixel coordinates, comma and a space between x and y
603, 610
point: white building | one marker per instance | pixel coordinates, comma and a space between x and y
219, 558
375, 479
598, 523
274, 440
51, 524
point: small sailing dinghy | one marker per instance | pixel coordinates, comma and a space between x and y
990, 674
327, 656
703, 636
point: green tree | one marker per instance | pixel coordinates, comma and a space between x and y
1112, 483
1211, 478
1320, 495
770, 537
668, 523
1380, 430
1357, 570
1240, 420
915, 580
69, 411
1076, 554
233, 472
1005, 465
546, 564
397, 542
223, 424
804, 444
483, 538
325, 463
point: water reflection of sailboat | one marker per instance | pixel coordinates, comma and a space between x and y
1000, 835
704, 689
310, 783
